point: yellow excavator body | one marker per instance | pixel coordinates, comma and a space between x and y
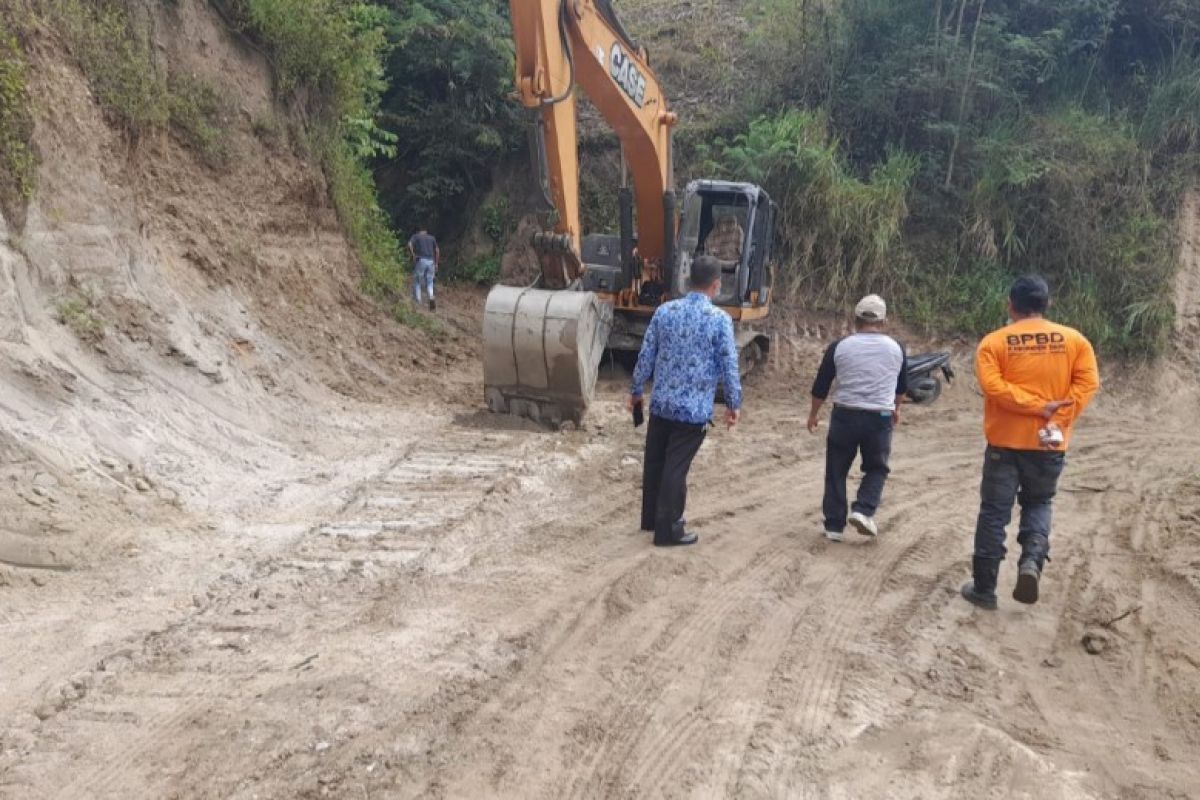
543, 344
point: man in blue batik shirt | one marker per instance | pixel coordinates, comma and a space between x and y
688, 348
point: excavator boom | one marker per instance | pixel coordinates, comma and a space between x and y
561, 43
542, 345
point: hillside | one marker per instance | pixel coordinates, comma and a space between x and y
171, 329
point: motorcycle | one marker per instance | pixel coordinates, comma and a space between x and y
923, 384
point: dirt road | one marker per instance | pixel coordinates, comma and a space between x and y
479, 617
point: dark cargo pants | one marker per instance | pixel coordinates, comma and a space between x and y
852, 431
1028, 477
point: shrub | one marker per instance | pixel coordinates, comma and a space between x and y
837, 230
483, 270
328, 58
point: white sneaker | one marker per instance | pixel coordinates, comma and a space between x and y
833, 536
864, 524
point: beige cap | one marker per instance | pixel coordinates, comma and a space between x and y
871, 308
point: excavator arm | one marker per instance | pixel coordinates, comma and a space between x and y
543, 344
561, 44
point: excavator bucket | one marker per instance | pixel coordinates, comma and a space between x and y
542, 350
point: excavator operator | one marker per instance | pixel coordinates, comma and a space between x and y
725, 240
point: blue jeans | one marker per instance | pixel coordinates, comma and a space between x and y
851, 432
423, 278
1029, 477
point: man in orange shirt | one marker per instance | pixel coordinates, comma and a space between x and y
1037, 377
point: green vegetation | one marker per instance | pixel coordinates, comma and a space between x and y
483, 267
1050, 136
17, 163
929, 149
201, 117
450, 73
328, 56
78, 312
842, 229
117, 60
114, 52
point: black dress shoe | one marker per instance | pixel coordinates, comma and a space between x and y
676, 530
678, 541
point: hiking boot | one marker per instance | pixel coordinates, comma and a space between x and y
834, 536
978, 598
432, 304
864, 524
1028, 576
981, 590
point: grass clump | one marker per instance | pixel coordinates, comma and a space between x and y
78, 311
18, 165
201, 117
115, 54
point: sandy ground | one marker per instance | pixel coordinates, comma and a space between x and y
478, 616
257, 541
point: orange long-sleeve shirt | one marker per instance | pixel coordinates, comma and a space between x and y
1024, 366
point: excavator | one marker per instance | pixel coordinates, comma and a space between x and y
543, 344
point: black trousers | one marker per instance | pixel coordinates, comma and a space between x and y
850, 432
1030, 477
670, 448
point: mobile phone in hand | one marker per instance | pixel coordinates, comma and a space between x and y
639, 415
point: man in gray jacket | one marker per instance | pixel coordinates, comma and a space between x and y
870, 370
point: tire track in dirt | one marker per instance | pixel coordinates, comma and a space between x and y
779, 632
630, 718
801, 711
678, 637
768, 630
575, 633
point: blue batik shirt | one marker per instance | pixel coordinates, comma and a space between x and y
687, 349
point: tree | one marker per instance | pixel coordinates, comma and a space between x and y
450, 71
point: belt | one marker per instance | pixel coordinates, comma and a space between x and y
885, 412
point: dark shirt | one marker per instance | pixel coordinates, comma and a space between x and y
423, 245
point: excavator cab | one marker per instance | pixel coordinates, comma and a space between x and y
735, 223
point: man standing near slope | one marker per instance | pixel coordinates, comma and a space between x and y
871, 372
688, 347
426, 257
1037, 378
